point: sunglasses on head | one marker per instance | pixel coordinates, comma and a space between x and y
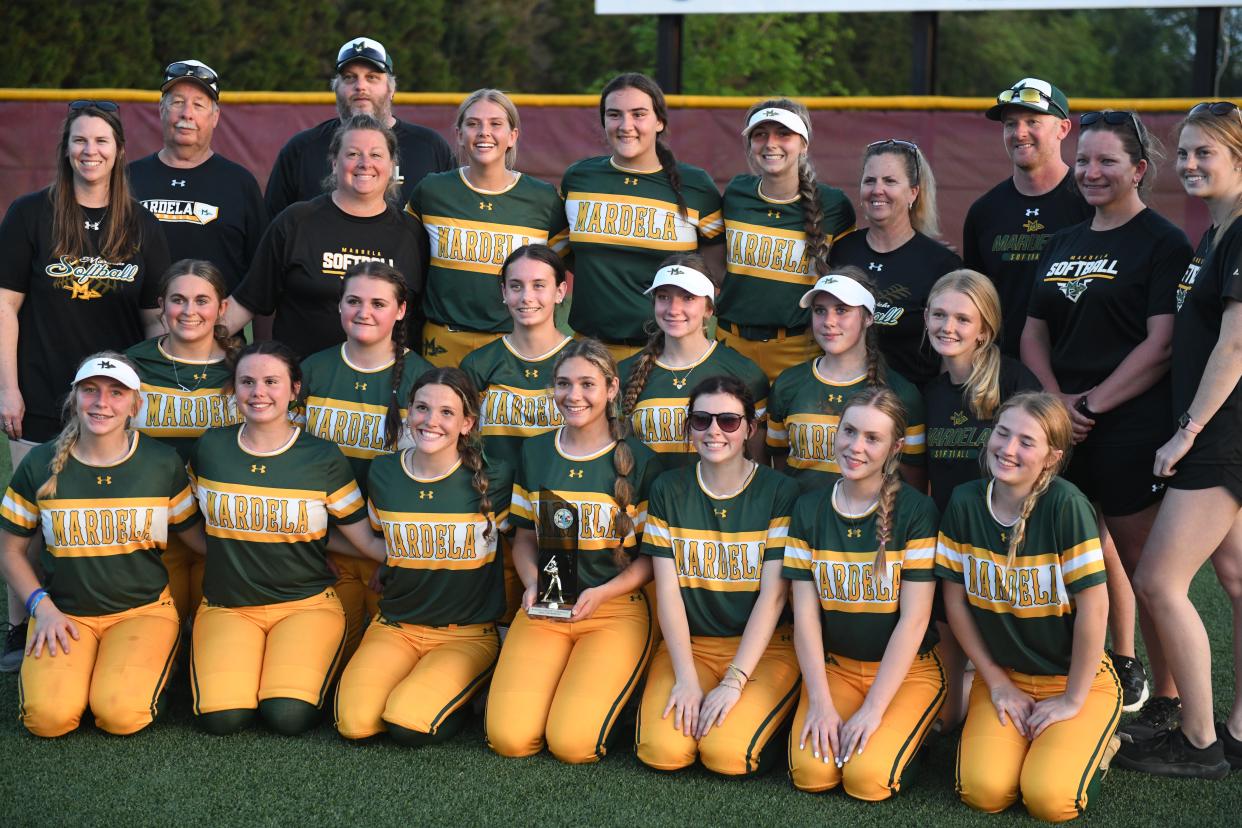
181, 69
910, 148
728, 422
1217, 108
102, 106
1117, 117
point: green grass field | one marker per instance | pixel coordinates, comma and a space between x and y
173, 774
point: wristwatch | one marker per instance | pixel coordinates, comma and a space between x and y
1190, 425
1082, 408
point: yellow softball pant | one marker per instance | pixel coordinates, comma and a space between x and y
772, 355
410, 679
118, 666
568, 680
1058, 771
359, 601
874, 775
446, 347
274, 658
734, 748
185, 576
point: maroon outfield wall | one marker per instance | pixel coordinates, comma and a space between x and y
964, 147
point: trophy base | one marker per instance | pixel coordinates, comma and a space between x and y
560, 612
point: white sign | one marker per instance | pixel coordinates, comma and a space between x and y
767, 6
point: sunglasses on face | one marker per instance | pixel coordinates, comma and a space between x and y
1116, 117
728, 422
1217, 108
102, 106
189, 70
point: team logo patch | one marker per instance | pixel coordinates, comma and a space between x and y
562, 519
1074, 290
178, 210
1032, 225
958, 418
430, 348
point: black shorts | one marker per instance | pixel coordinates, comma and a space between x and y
1191, 476
1119, 479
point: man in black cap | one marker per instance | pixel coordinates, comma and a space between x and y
1007, 228
208, 206
364, 82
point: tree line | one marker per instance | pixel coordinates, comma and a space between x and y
562, 46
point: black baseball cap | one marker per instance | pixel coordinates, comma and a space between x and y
192, 70
1032, 93
365, 49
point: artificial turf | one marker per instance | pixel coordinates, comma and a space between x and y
173, 774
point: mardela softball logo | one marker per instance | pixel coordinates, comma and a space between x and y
195, 212
76, 275
1075, 275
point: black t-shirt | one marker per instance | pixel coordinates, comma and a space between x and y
302, 257
213, 211
73, 306
1213, 278
903, 278
1004, 234
955, 436
303, 164
1096, 291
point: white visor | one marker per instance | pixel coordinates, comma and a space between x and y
686, 278
105, 367
782, 116
844, 288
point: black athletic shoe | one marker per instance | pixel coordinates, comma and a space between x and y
1233, 747
1169, 754
1160, 715
14, 648
1133, 681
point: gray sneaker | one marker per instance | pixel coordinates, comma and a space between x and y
14, 648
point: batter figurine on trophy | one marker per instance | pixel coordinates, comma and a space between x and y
554, 585
557, 533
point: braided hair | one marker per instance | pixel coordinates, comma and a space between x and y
210, 274
655, 342
384, 272
888, 403
818, 244
594, 352
72, 430
470, 445
668, 162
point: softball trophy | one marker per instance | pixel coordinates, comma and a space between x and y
556, 588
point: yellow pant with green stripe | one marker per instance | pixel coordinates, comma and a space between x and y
874, 775
772, 355
1057, 771
412, 676
446, 347
118, 666
567, 681
734, 747
185, 576
360, 602
244, 655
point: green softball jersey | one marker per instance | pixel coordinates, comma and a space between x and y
470, 233
1025, 613
768, 268
442, 569
105, 528
718, 544
516, 400
804, 409
586, 482
267, 515
859, 610
622, 224
180, 399
348, 405
659, 416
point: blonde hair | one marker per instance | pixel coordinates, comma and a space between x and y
68, 437
924, 216
1047, 410
594, 352
981, 392
1226, 130
501, 100
818, 245
889, 404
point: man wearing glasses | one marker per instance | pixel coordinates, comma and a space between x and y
1007, 228
208, 206
364, 83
